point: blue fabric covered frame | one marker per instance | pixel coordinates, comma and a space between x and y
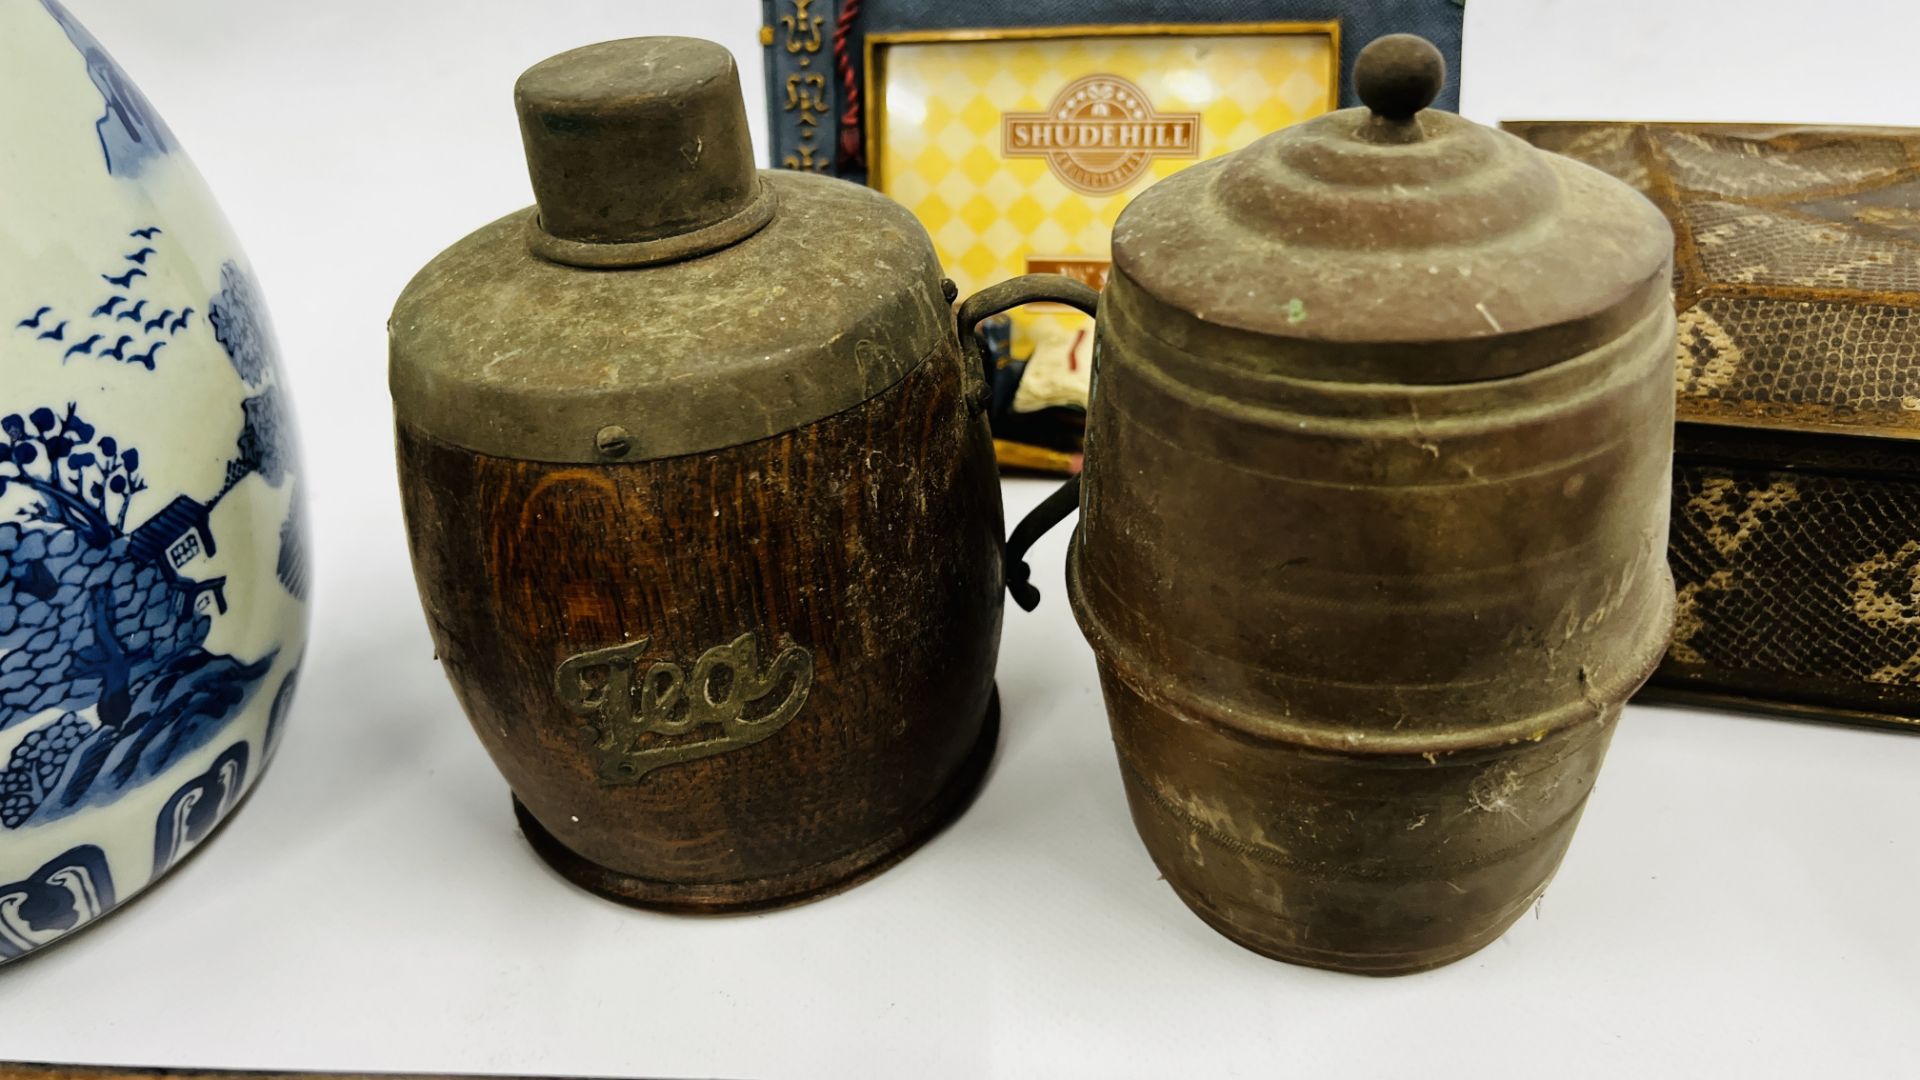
814, 47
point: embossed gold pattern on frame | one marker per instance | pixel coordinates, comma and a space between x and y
635, 705
806, 91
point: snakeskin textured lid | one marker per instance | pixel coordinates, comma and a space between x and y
1331, 249
1797, 273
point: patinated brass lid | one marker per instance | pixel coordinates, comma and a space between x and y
1329, 249
650, 305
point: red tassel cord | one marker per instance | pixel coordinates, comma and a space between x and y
852, 144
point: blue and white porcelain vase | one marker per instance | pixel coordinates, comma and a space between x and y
153, 564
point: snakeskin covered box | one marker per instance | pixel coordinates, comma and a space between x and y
1795, 540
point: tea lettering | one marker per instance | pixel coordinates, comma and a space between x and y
634, 703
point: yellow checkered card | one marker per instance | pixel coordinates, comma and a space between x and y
1018, 149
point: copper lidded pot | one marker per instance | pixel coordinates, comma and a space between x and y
1373, 525
715, 574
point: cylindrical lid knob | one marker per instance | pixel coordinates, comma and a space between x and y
638, 151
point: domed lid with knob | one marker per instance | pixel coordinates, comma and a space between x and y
1331, 249
664, 297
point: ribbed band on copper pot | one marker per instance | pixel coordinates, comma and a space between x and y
1372, 537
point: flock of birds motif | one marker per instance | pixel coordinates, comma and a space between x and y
155, 327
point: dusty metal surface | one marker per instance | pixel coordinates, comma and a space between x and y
1373, 520
771, 299
637, 146
1359, 249
503, 352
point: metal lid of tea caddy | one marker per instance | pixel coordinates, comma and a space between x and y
1333, 248
650, 305
603, 126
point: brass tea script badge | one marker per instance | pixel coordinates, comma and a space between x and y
1100, 134
634, 704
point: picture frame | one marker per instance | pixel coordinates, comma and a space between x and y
958, 110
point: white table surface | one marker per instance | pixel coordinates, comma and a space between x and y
1740, 900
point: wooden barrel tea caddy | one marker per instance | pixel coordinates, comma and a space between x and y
717, 585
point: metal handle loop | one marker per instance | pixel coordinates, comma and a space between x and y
1013, 292
1055, 508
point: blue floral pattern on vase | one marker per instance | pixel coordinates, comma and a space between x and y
153, 563
134, 318
107, 617
199, 807
73, 889
130, 131
240, 324
282, 701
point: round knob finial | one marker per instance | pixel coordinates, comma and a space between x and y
1398, 75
